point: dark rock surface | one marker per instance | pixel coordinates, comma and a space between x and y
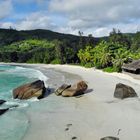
109, 138
124, 91
2, 102
74, 90
61, 89
2, 111
27, 91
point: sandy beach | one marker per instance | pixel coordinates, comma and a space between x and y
95, 115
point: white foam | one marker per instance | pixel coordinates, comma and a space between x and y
33, 99
42, 77
20, 105
23, 105
30, 73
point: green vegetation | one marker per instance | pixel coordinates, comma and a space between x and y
43, 46
32, 51
37, 51
110, 55
40, 46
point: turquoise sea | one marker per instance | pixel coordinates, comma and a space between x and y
14, 123
17, 123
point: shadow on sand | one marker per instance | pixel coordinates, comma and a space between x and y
86, 92
48, 92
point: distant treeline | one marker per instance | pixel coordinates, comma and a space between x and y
41, 46
44, 46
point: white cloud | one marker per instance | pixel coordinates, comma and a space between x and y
104, 31
98, 10
6, 25
98, 16
89, 16
5, 8
36, 20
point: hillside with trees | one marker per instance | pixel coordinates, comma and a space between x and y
44, 46
41, 46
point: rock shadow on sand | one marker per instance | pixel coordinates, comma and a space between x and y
89, 91
48, 92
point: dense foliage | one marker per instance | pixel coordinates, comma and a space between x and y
44, 46
110, 55
37, 51
41, 46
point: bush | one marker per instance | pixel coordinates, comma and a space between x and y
110, 69
56, 61
88, 65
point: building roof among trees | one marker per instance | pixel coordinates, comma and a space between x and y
134, 66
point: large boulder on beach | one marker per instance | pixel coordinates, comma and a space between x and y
2, 102
109, 138
59, 91
124, 91
27, 91
75, 90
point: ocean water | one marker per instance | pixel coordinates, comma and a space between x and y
14, 123
18, 123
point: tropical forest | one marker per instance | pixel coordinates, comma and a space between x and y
44, 46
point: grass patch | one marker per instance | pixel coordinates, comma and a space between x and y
110, 69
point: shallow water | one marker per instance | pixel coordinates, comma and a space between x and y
14, 76
17, 122
14, 123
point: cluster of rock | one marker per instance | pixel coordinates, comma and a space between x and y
38, 89
74, 90
122, 91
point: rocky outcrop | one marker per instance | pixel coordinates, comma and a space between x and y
2, 111
27, 91
2, 102
75, 90
109, 138
124, 91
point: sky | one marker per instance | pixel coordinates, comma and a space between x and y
96, 17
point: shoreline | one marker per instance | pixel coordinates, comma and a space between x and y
124, 75
95, 115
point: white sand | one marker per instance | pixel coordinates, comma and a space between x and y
96, 115
93, 116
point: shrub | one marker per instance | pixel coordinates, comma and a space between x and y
56, 61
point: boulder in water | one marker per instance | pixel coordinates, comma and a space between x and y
27, 91
2, 102
2, 111
124, 91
